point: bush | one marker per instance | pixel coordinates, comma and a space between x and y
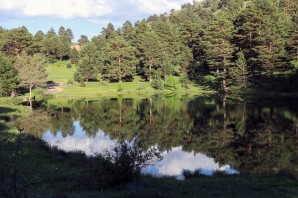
171, 83
82, 84
184, 82
122, 164
69, 82
191, 175
157, 83
68, 65
77, 77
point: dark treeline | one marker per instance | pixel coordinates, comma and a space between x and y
227, 45
258, 137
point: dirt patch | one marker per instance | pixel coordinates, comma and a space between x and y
54, 88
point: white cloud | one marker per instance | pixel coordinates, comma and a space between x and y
69, 9
65, 9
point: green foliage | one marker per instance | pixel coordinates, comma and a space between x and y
69, 82
158, 84
121, 165
32, 70
184, 81
187, 174
202, 39
89, 64
8, 78
68, 65
83, 40
74, 56
120, 60
171, 83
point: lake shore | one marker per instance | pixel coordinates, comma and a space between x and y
50, 172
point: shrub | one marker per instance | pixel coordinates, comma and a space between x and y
184, 82
117, 166
77, 77
171, 83
69, 82
68, 65
191, 175
157, 83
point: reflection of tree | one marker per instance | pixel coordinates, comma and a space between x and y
259, 137
62, 121
36, 123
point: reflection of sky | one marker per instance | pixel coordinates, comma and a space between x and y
172, 164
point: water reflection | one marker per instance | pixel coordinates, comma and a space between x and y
172, 164
259, 136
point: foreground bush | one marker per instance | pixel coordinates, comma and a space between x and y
120, 165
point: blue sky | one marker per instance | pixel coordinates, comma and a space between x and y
82, 16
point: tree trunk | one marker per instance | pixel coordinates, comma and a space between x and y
120, 110
119, 68
150, 76
30, 92
13, 94
224, 82
150, 116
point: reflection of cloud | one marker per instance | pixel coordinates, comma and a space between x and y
177, 160
79, 141
172, 164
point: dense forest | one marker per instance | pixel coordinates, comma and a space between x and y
227, 45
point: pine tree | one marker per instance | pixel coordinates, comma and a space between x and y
108, 31
83, 40
89, 65
16, 41
239, 71
150, 53
169, 38
8, 77
74, 56
219, 49
127, 30
121, 60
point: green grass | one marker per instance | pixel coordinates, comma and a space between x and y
58, 72
138, 88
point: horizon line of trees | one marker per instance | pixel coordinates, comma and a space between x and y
227, 45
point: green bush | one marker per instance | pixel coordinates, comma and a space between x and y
77, 77
157, 83
184, 82
191, 175
118, 166
69, 82
68, 65
171, 83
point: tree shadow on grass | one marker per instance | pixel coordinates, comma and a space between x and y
4, 110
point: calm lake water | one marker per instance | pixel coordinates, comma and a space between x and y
257, 136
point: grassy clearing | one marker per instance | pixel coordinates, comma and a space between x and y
58, 72
49, 173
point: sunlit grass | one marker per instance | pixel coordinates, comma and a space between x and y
58, 72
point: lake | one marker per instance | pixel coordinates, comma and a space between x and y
251, 135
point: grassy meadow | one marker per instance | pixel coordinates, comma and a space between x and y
59, 73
